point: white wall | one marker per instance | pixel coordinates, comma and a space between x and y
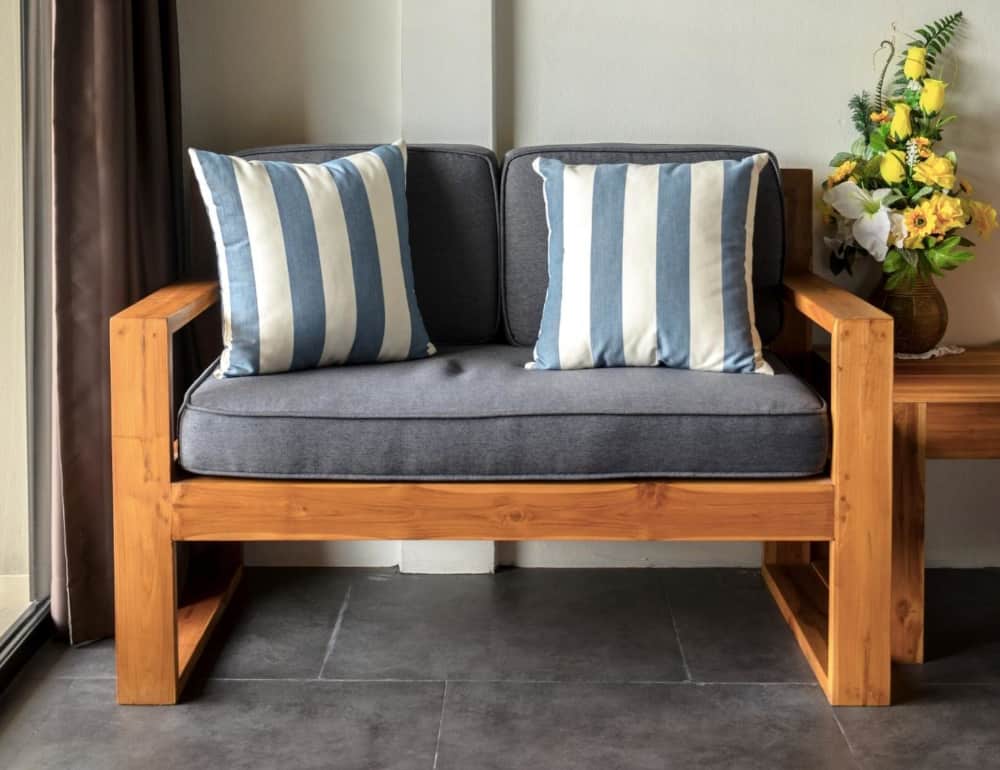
13, 404
776, 73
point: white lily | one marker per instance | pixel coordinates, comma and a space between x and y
870, 218
897, 229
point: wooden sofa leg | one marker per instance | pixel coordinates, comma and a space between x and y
145, 569
145, 619
861, 551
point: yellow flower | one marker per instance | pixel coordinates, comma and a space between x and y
879, 117
900, 126
965, 186
915, 66
841, 173
923, 146
935, 171
893, 166
932, 95
920, 222
984, 217
948, 212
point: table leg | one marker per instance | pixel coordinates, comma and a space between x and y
909, 460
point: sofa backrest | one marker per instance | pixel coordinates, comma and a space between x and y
451, 193
524, 231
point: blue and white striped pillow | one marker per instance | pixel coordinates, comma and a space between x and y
650, 265
314, 260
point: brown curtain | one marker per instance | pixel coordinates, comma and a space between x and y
117, 236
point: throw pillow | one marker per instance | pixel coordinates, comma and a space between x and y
314, 260
650, 265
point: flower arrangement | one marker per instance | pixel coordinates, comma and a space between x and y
894, 196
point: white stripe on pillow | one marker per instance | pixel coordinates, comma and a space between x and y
650, 265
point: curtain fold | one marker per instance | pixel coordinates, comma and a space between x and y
117, 235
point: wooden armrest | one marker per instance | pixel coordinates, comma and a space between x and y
825, 304
142, 367
177, 304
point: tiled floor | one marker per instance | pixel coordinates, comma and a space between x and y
544, 669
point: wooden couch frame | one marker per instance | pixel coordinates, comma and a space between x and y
827, 539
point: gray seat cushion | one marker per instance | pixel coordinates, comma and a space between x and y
525, 231
451, 194
476, 413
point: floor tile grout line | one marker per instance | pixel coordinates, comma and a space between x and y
336, 630
437, 742
677, 633
589, 682
843, 733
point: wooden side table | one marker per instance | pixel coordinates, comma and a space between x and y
942, 408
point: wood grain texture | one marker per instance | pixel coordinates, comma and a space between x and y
177, 304
963, 431
909, 438
145, 573
861, 469
797, 187
251, 509
972, 378
196, 621
142, 420
827, 304
778, 552
802, 600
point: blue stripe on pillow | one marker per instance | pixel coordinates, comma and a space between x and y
367, 274
241, 335
606, 340
673, 239
547, 349
305, 276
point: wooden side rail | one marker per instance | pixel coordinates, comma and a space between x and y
149, 660
855, 663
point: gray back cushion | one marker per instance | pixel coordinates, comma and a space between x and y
525, 232
451, 194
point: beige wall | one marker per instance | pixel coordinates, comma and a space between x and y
13, 403
776, 73
261, 72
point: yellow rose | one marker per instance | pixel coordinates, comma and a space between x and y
900, 126
920, 222
893, 166
984, 217
932, 95
935, 171
948, 211
841, 173
915, 66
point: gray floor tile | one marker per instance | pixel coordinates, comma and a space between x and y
938, 727
280, 624
582, 625
962, 628
56, 659
489, 726
730, 629
74, 724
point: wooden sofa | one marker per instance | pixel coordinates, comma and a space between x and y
826, 539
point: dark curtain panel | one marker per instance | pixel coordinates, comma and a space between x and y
117, 236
